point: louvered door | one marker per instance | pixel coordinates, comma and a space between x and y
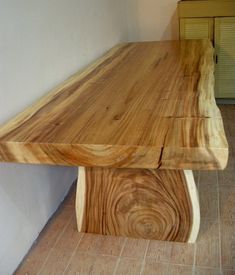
196, 28
225, 57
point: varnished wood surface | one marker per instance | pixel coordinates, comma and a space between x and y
143, 105
190, 9
139, 203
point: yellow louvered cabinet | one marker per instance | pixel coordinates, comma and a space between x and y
225, 57
214, 20
196, 28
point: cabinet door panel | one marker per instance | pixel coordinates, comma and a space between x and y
196, 28
225, 51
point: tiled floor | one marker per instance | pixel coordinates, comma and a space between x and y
61, 250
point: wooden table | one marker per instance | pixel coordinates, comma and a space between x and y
136, 122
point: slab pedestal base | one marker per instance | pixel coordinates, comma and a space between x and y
138, 203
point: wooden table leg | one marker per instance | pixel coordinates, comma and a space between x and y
138, 203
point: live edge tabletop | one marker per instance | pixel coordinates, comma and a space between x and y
147, 108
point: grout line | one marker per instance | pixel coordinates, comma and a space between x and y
123, 246
144, 259
72, 255
155, 260
182, 265
219, 220
119, 257
195, 248
55, 243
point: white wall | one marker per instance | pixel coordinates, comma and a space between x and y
42, 43
152, 20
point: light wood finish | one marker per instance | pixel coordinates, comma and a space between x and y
139, 203
208, 245
180, 136
143, 105
214, 249
206, 8
214, 20
225, 52
197, 28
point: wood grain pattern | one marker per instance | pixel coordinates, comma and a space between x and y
124, 112
138, 203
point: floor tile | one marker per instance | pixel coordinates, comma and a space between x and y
54, 228
208, 195
207, 271
182, 253
228, 244
179, 270
227, 176
208, 245
62, 252
177, 253
57, 262
228, 112
159, 251
134, 248
91, 264
227, 202
228, 272
231, 129
226, 129
33, 262
47, 239
98, 244
232, 146
71, 198
152, 267
129, 267
208, 177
